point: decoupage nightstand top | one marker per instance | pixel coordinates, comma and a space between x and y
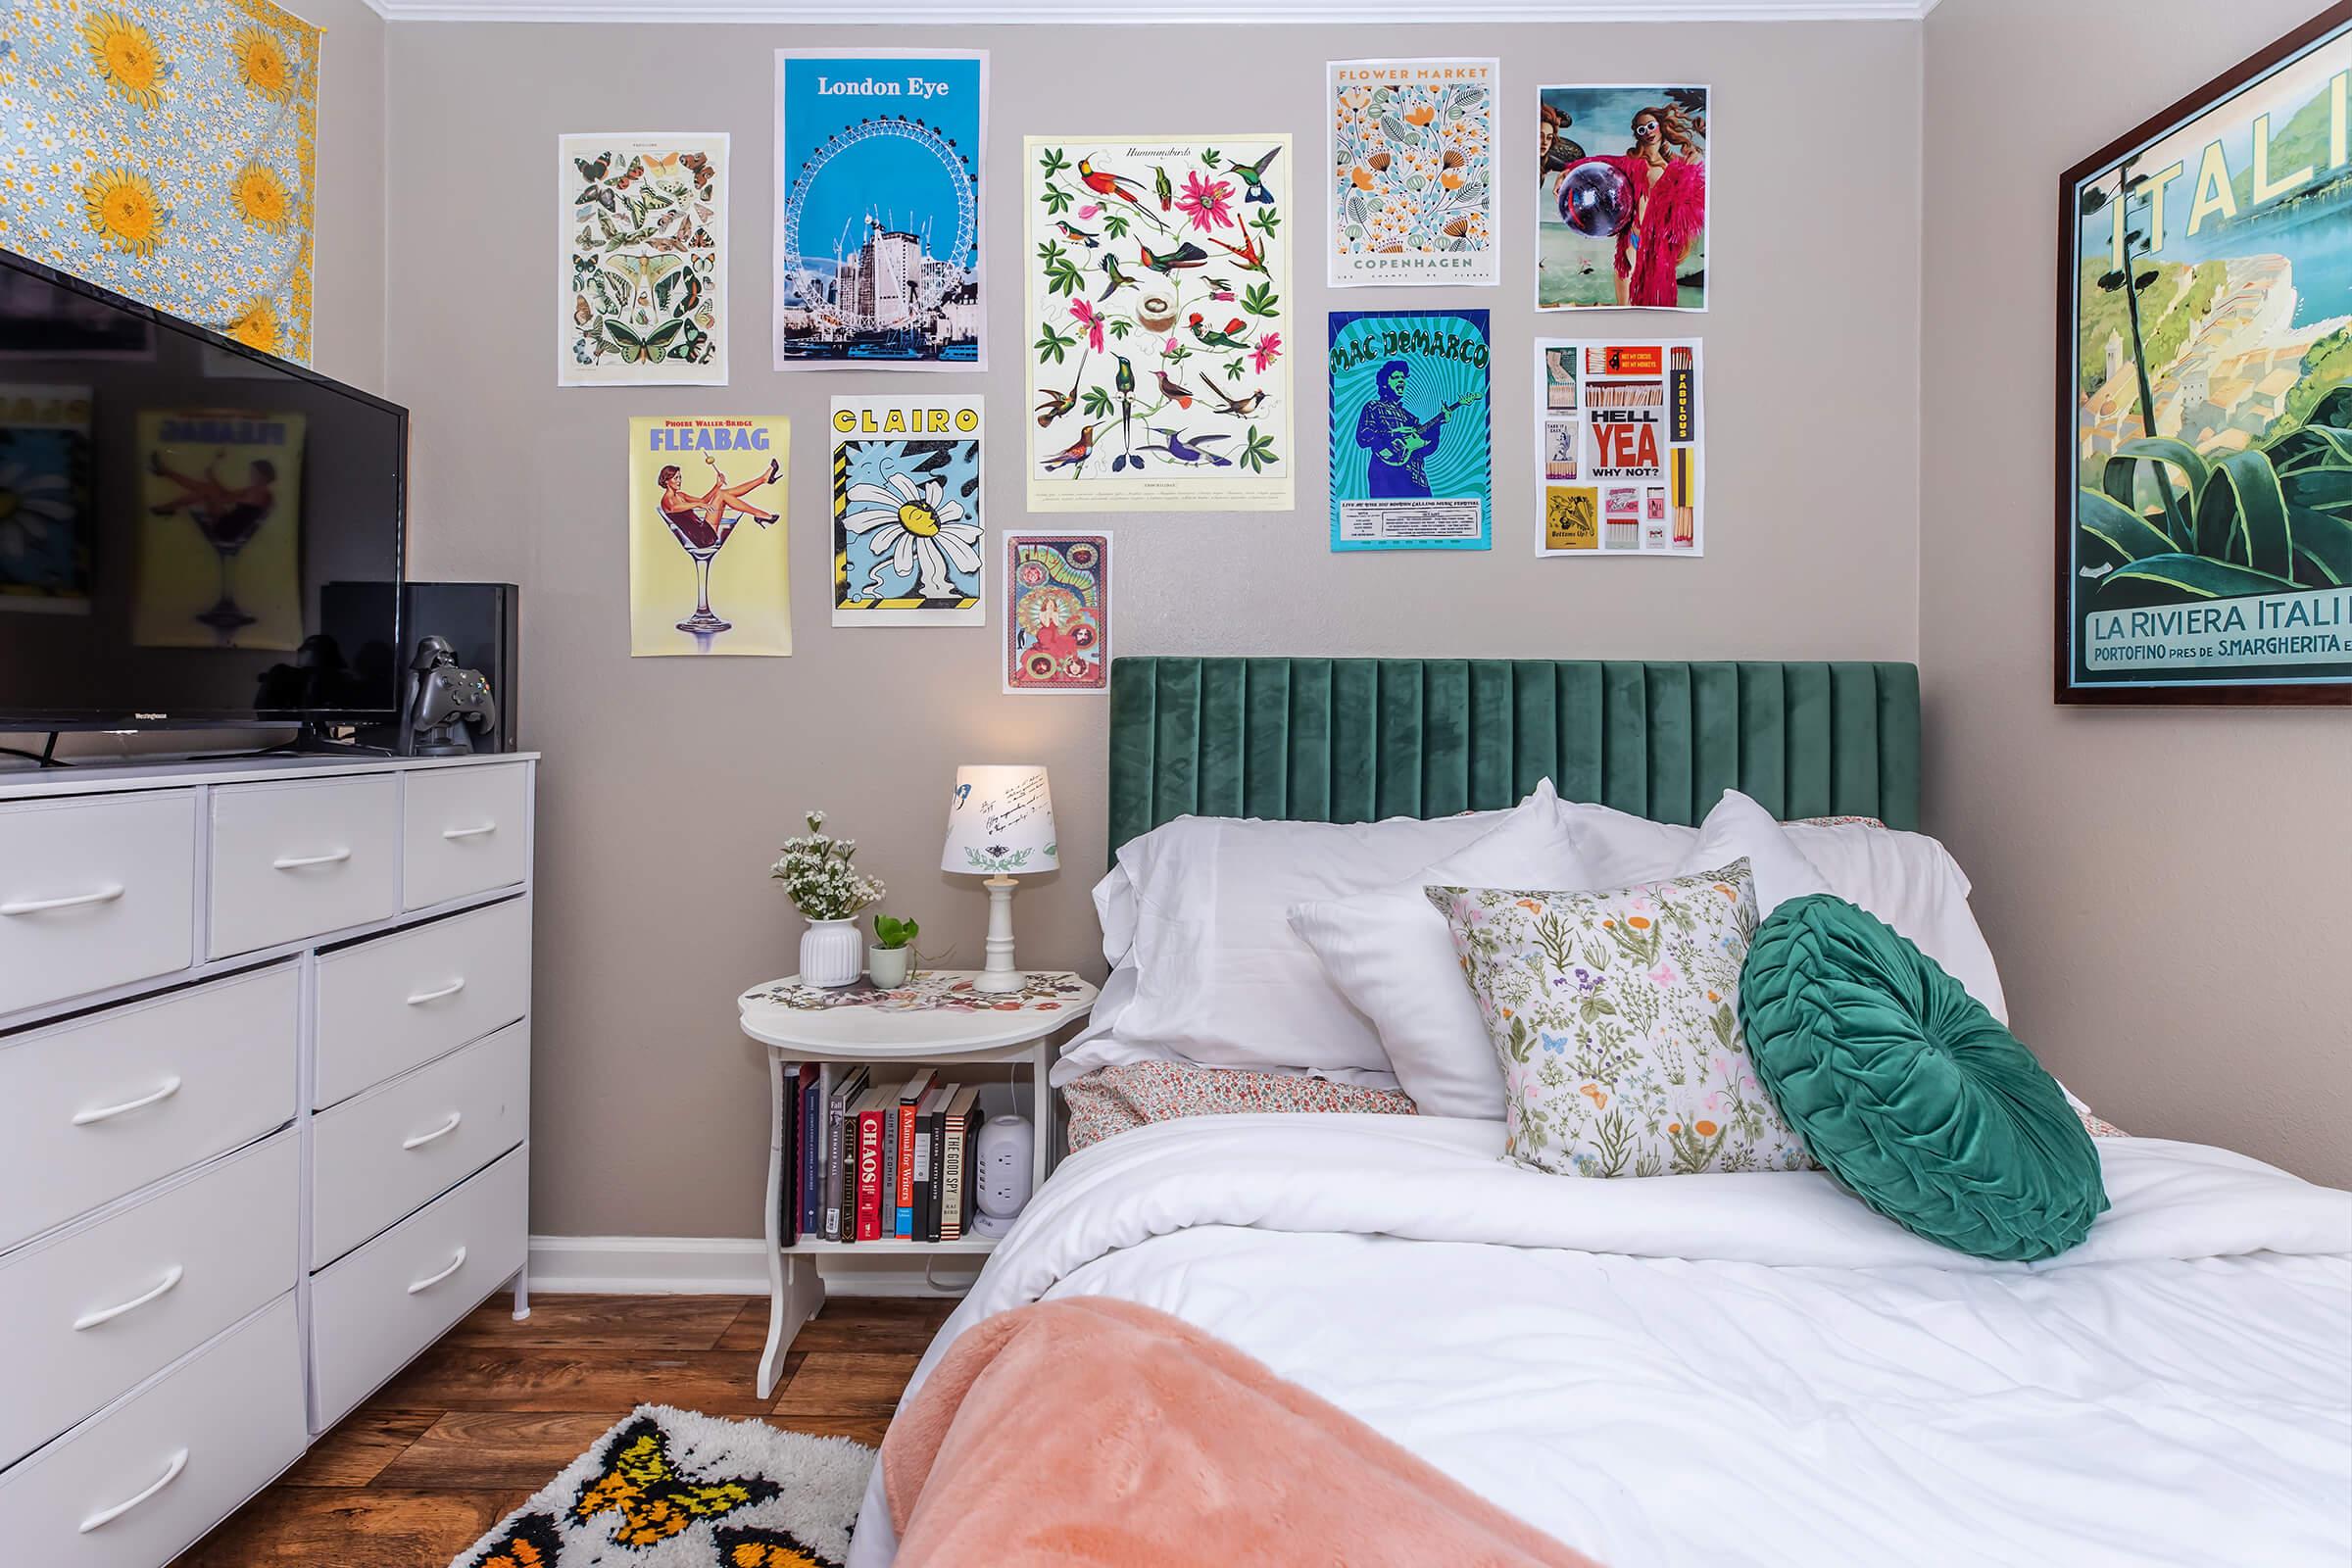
937, 1011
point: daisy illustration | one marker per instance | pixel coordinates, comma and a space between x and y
30, 503
913, 525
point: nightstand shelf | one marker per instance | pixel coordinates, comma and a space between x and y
936, 1021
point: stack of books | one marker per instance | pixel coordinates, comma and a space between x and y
870, 1158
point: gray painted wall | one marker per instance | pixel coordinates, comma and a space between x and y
669, 782
2166, 891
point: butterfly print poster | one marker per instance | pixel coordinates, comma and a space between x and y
1157, 277
1057, 623
1411, 174
642, 263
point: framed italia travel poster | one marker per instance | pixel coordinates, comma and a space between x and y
2204, 547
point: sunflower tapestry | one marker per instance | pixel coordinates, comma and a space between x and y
164, 149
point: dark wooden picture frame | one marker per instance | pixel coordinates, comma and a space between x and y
2229, 529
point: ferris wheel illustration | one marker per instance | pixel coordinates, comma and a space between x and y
904, 288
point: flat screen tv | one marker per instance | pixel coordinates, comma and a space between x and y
191, 534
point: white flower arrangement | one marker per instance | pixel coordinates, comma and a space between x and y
819, 878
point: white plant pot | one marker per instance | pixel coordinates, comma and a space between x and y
887, 966
830, 952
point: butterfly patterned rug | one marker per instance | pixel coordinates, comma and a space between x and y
672, 1488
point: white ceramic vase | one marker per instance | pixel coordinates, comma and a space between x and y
887, 966
832, 952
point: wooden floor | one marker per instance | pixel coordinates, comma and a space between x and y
488, 1415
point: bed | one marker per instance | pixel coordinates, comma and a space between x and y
1707, 1368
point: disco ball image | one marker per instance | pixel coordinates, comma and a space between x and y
1596, 200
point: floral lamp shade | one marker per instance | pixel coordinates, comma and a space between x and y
1000, 822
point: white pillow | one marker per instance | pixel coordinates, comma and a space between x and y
1741, 829
1390, 954
1218, 976
1911, 882
1620, 849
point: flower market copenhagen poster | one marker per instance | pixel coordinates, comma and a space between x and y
2204, 499
1157, 277
877, 237
644, 234
708, 572
1410, 430
1410, 179
909, 548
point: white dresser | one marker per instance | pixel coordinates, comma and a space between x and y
264, 1092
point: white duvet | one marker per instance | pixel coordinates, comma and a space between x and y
1755, 1369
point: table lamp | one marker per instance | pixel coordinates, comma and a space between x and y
1001, 825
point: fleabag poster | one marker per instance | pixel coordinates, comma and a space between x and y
1620, 464
1412, 171
909, 548
877, 239
1410, 430
2208, 528
1158, 287
700, 581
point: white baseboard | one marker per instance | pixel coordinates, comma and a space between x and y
705, 1265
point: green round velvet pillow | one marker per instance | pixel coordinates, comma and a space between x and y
1908, 1091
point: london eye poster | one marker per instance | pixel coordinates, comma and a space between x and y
2205, 393
878, 242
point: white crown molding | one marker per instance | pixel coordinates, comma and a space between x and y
708, 1265
1067, 13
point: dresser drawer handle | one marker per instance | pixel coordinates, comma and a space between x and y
105, 895
295, 862
449, 990
109, 1112
440, 1132
469, 832
91, 1320
455, 1263
107, 1516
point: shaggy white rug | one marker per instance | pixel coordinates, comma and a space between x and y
671, 1488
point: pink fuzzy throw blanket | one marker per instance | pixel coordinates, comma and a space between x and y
1095, 1431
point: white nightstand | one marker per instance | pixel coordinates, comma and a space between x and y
937, 1020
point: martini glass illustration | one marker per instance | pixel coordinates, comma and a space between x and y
227, 516
702, 524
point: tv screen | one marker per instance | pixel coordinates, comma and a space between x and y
190, 532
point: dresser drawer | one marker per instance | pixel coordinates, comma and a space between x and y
94, 893
381, 1154
181, 1453
463, 830
95, 1108
91, 1313
292, 860
378, 1308
392, 1001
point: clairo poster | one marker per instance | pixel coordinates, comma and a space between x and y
1621, 202
1157, 277
219, 529
909, 548
1410, 430
1057, 620
642, 233
878, 202
700, 580
1620, 454
1411, 173
2204, 508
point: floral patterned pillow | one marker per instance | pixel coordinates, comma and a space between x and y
1616, 1016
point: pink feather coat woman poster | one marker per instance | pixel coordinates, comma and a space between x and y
1621, 227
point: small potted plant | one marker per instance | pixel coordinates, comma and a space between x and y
825, 887
891, 959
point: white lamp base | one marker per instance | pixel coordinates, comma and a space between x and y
998, 973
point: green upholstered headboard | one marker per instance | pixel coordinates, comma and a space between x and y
1352, 740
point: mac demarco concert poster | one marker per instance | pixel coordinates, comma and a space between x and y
1410, 430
